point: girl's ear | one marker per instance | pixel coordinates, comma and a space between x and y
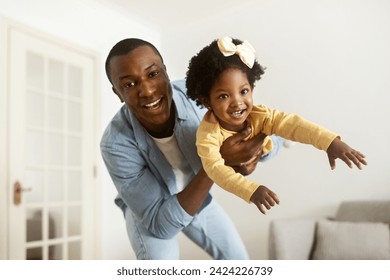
205, 102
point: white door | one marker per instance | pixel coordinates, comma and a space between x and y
51, 128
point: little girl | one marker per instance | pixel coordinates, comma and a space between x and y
221, 77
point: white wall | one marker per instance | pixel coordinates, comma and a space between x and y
93, 26
327, 61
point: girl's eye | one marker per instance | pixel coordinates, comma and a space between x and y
244, 91
223, 96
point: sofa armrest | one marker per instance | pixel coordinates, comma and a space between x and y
291, 239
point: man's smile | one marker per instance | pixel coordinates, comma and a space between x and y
153, 105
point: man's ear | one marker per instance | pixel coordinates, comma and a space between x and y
166, 73
117, 94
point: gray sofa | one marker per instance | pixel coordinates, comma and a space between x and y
359, 230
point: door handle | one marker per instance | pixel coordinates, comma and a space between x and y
18, 192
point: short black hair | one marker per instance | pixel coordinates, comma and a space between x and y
205, 68
124, 47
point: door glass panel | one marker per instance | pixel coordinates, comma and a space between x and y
34, 148
55, 252
74, 116
74, 220
74, 185
34, 254
34, 224
75, 79
35, 109
55, 149
74, 148
34, 183
56, 113
34, 70
74, 250
56, 217
55, 186
56, 76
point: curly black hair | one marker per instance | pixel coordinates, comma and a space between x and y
205, 68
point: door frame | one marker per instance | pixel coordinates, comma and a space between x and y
6, 196
3, 141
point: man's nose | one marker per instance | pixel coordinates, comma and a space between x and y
146, 89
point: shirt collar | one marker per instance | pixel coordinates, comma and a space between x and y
181, 109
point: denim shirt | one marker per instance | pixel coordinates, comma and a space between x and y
142, 176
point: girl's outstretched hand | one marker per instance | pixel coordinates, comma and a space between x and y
339, 149
263, 198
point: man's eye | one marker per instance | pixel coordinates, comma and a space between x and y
153, 74
129, 85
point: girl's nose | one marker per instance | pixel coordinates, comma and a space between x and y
237, 100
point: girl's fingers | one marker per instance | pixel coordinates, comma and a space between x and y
261, 207
357, 158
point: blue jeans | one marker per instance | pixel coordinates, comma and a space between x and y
211, 229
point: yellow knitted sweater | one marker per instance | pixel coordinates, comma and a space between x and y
210, 136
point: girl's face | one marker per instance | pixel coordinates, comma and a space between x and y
231, 99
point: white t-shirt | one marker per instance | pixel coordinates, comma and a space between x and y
176, 159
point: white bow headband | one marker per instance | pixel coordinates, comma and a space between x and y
245, 50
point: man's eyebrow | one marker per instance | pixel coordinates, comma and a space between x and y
150, 66
125, 77
129, 76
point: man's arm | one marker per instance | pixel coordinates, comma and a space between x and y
192, 197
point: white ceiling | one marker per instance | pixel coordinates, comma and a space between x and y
168, 14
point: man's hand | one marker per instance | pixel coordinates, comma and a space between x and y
248, 167
238, 153
264, 197
339, 149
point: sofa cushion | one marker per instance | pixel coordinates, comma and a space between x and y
377, 211
291, 239
351, 241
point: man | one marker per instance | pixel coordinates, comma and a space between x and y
149, 150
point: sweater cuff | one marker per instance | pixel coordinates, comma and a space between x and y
248, 192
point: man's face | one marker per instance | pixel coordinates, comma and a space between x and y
140, 80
